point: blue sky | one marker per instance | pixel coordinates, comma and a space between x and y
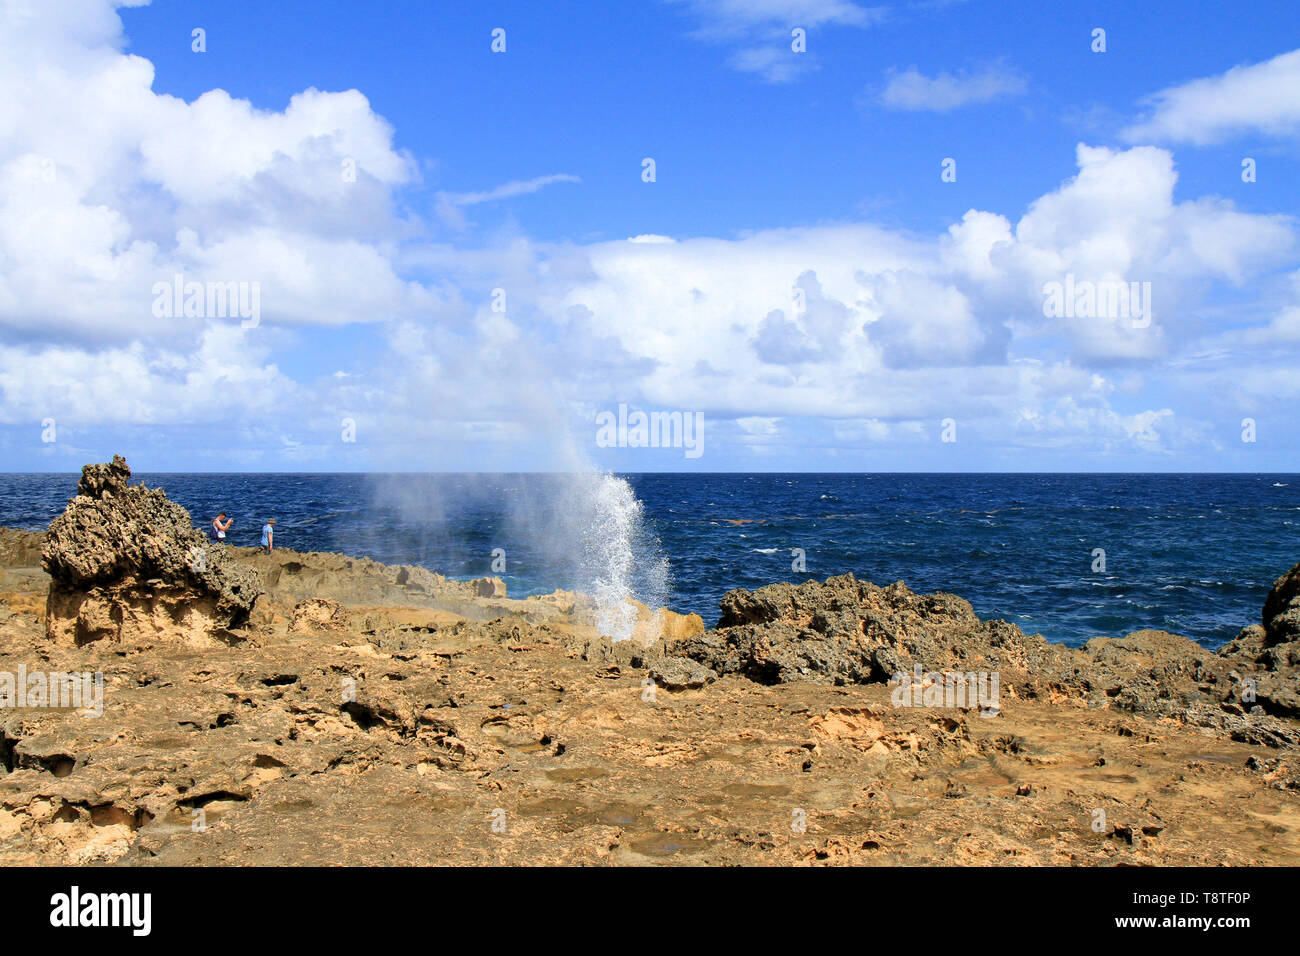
801, 276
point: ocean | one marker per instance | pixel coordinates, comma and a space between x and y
1190, 553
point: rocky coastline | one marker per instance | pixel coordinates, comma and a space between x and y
318, 708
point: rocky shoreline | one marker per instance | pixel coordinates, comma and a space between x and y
319, 708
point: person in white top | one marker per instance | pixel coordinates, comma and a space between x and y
220, 525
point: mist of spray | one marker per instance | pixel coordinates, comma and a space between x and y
584, 530
575, 526
622, 561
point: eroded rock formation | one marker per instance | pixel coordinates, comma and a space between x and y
127, 566
844, 631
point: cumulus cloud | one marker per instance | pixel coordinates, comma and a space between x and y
107, 188
852, 322
1263, 97
855, 332
225, 380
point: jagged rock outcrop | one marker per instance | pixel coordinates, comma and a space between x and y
1281, 618
127, 565
293, 576
680, 673
488, 587
1266, 656
844, 631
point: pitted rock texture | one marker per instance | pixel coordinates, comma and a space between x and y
384, 729
844, 631
126, 564
399, 735
1282, 610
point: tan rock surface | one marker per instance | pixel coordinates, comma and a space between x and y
368, 714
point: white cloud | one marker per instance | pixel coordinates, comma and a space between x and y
226, 379
1263, 97
737, 18
450, 205
895, 328
302, 148
912, 90
761, 30
107, 188
882, 330
519, 187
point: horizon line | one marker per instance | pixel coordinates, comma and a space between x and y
678, 473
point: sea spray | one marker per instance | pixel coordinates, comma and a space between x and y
582, 530
621, 559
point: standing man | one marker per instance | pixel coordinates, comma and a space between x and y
220, 525
268, 535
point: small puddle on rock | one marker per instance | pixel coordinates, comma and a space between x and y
573, 774
665, 844
573, 815
756, 789
553, 807
618, 817
1117, 777
522, 741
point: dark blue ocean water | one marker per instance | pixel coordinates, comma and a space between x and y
1193, 554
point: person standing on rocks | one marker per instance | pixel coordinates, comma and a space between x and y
268, 535
220, 525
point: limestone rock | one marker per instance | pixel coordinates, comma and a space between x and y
20, 549
680, 673
127, 565
488, 587
402, 733
1282, 609
318, 614
846, 631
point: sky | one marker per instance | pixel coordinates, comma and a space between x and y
828, 235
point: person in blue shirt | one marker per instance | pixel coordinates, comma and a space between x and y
268, 535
